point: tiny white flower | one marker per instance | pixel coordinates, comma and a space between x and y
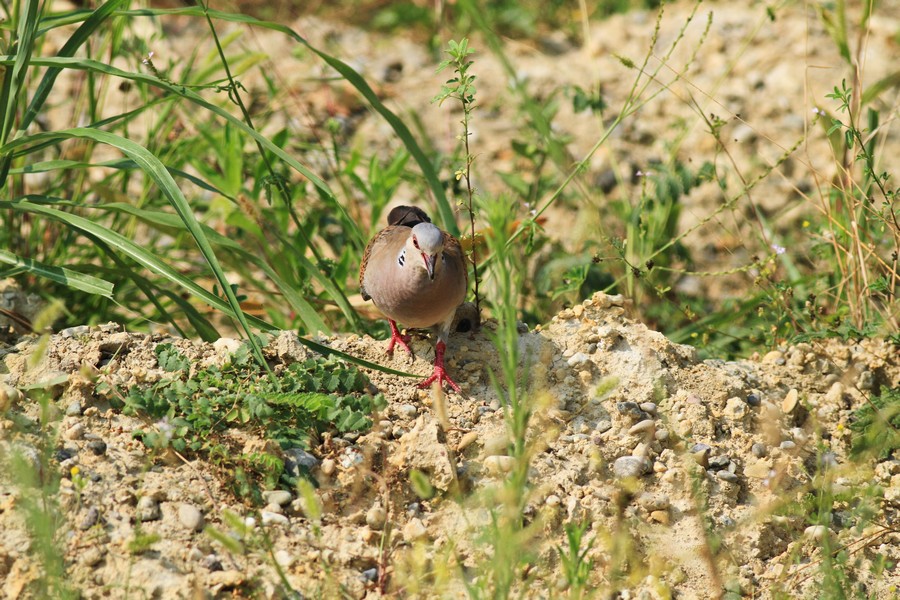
165, 428
778, 249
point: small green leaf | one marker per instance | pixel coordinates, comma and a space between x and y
420, 484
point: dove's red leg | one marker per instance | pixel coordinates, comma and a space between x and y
439, 374
397, 338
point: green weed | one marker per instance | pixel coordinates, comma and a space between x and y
193, 411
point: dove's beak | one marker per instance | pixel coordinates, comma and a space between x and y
429, 264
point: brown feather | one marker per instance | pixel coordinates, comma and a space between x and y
379, 238
408, 216
454, 250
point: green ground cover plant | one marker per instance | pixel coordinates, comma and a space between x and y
193, 411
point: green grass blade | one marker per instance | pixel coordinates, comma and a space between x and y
61, 275
119, 243
75, 41
84, 64
153, 168
14, 78
91, 65
298, 303
153, 293
47, 166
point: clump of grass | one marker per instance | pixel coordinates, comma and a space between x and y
193, 411
876, 425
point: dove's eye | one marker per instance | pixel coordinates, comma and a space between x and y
415, 242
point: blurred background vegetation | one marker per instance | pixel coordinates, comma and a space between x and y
172, 193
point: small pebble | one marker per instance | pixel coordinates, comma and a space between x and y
90, 519
70, 332
296, 458
727, 476
147, 509
759, 450
98, 447
700, 453
631, 409
719, 462
641, 450
630, 466
190, 517
75, 432
865, 381
642, 427
73, 409
499, 464
661, 435
790, 401
92, 556
275, 508
327, 467
603, 426
62, 455
279, 497
815, 532
660, 516
466, 441
649, 407
753, 400
376, 517
653, 501
371, 575
284, 559
211, 562
787, 445
774, 357
408, 411
552, 500
414, 530
735, 409
272, 518
835, 393
579, 358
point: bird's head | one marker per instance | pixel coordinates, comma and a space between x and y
427, 241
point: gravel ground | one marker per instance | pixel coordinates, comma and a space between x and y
614, 403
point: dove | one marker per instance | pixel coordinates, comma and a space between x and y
415, 274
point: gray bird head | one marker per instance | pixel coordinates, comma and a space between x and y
426, 241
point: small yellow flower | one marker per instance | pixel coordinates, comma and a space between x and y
74, 471
805, 224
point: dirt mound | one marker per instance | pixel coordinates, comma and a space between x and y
630, 433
